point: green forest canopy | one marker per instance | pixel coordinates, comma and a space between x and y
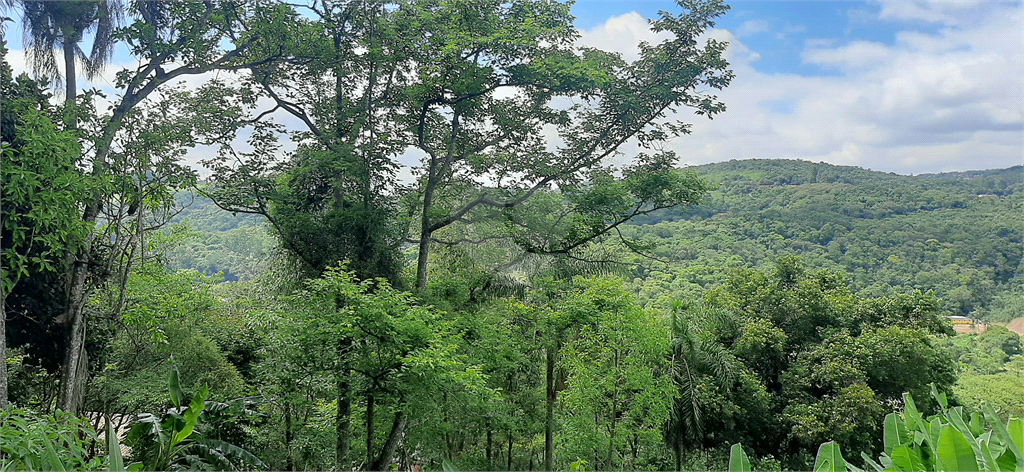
958, 235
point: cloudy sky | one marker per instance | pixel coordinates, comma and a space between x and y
906, 87
897, 86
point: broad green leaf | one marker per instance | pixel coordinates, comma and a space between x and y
191, 416
1014, 444
907, 458
448, 466
939, 397
738, 461
913, 417
894, 432
115, 463
954, 452
1016, 429
177, 396
955, 416
829, 458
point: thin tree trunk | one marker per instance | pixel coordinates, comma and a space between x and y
421, 258
343, 425
549, 422
3, 349
70, 393
288, 464
425, 232
70, 86
510, 442
371, 448
394, 438
490, 447
73, 369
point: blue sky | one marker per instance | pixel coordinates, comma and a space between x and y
898, 86
891, 85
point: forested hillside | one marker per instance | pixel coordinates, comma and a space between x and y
958, 235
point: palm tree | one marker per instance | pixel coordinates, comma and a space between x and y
49, 26
696, 355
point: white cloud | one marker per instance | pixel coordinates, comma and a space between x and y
622, 34
752, 27
929, 102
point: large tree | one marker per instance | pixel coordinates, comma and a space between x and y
133, 149
502, 104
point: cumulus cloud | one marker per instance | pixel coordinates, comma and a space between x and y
622, 34
928, 102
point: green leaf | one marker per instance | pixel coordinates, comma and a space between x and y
954, 452
955, 416
895, 432
191, 416
907, 458
871, 462
51, 459
115, 461
913, 417
177, 396
1013, 443
1016, 429
448, 466
1007, 461
738, 461
829, 458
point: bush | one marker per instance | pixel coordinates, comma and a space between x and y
35, 441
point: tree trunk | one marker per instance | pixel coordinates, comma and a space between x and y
75, 368
71, 381
343, 425
421, 258
70, 86
490, 447
371, 448
394, 438
510, 442
288, 464
3, 349
549, 421
425, 232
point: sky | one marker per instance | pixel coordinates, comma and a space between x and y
897, 86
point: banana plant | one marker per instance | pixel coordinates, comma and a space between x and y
172, 443
159, 442
948, 441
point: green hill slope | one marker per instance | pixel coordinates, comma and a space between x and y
959, 234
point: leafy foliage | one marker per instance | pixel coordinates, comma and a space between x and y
57, 441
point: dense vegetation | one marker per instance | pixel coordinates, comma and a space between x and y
518, 306
956, 235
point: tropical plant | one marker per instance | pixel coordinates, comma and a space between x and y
696, 359
57, 441
50, 26
948, 441
172, 442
